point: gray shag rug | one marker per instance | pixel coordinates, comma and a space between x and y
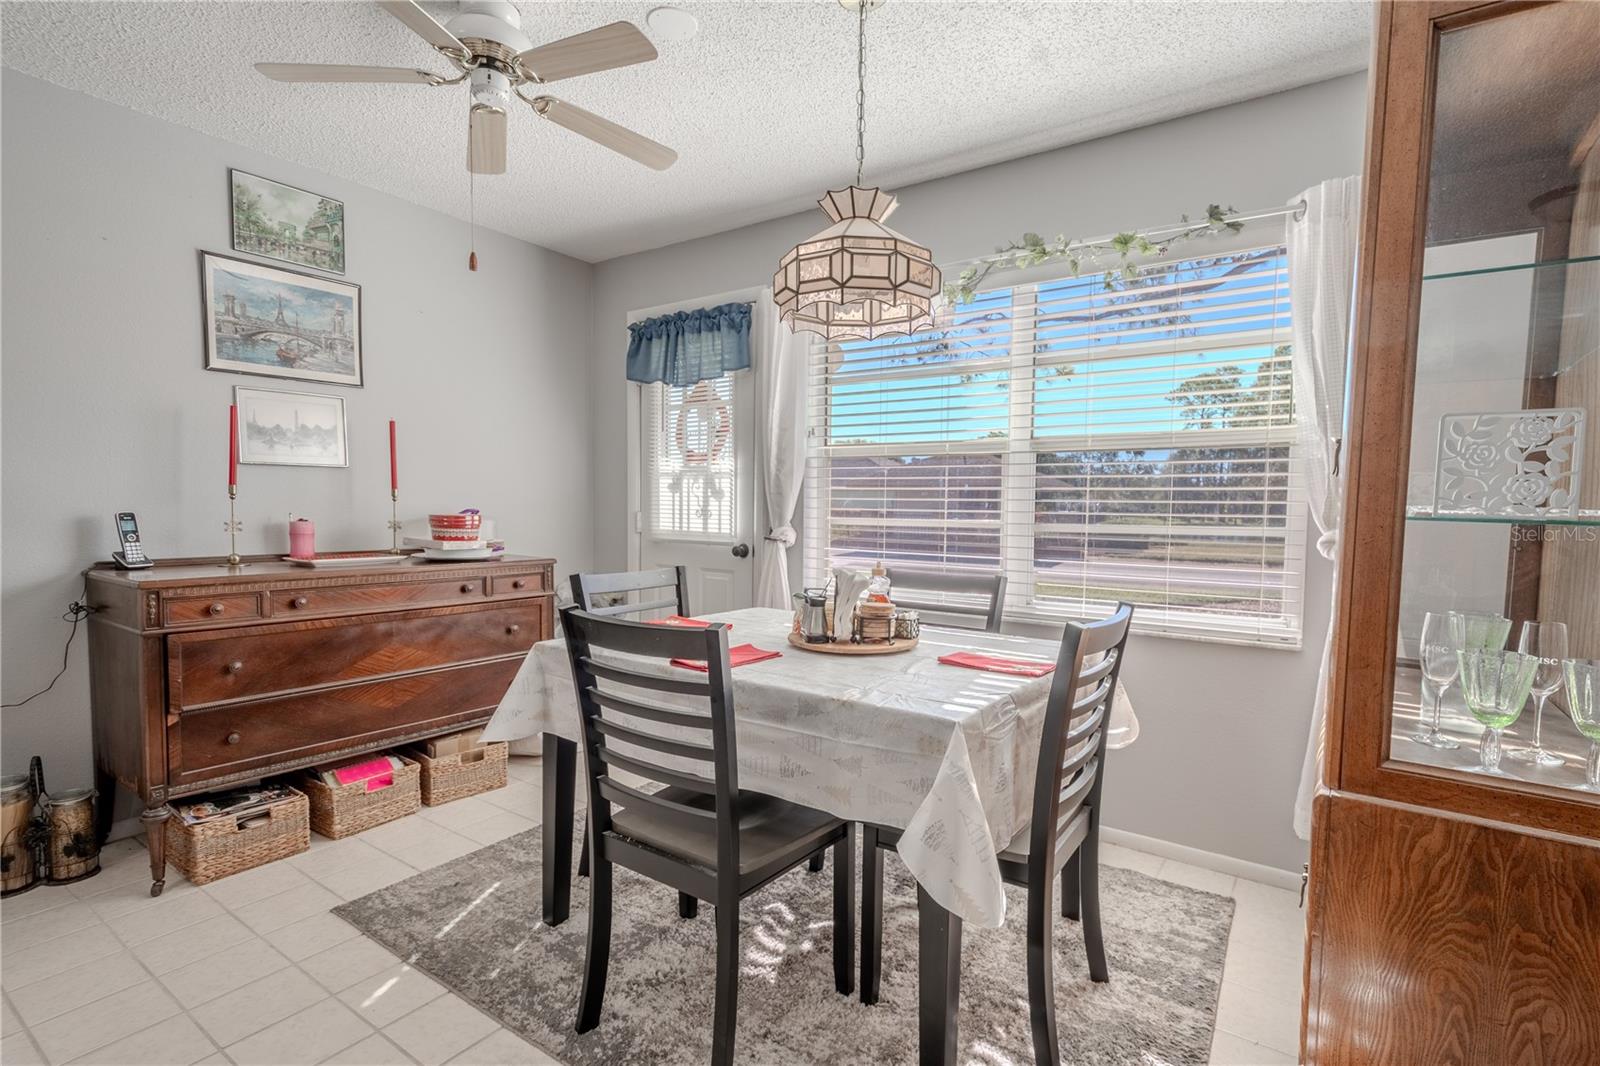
474, 925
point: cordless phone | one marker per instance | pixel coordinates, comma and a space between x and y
132, 556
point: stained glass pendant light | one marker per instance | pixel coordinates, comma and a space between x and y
857, 279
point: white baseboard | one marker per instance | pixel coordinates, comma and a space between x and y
1210, 860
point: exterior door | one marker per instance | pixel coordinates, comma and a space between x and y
697, 487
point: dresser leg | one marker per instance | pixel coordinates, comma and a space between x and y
155, 838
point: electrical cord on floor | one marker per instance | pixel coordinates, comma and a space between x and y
76, 612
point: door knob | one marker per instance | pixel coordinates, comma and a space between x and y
741, 551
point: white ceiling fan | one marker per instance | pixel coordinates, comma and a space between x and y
486, 45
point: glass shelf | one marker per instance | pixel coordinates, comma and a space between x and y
1481, 271
1423, 514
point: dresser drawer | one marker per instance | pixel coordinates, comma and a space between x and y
188, 610
310, 602
517, 584
206, 668
266, 734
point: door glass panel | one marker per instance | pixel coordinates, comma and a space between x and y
1500, 585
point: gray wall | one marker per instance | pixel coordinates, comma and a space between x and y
106, 406
1224, 727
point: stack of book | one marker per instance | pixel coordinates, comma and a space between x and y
238, 803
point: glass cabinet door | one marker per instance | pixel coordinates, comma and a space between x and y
1498, 664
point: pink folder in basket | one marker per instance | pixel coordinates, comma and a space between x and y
376, 773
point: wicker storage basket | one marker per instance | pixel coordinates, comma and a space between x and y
221, 847
467, 773
342, 810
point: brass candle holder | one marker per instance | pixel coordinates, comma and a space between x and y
233, 527
394, 522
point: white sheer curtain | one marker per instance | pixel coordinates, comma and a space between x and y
1322, 266
780, 360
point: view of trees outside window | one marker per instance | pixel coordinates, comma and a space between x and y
1131, 443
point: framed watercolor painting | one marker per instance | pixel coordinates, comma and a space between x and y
291, 428
279, 221
280, 323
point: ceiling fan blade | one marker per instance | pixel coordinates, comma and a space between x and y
340, 72
617, 45
620, 139
422, 24
604, 132
486, 141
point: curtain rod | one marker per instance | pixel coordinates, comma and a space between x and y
1296, 209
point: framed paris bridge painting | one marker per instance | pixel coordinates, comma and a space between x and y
280, 323
279, 221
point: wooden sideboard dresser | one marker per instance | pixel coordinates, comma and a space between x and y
205, 676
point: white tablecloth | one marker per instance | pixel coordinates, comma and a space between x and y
945, 753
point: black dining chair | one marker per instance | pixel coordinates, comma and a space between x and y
661, 588
698, 833
979, 596
1063, 833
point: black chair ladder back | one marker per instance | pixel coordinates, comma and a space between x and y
985, 595
664, 588
687, 834
1063, 833
1064, 829
667, 587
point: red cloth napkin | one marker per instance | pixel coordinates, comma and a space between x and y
738, 655
999, 664
683, 623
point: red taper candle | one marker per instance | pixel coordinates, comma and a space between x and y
394, 462
233, 445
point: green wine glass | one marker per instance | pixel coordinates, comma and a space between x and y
1583, 704
1496, 685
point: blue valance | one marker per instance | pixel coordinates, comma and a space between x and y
689, 346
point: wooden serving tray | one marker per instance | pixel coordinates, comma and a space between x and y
847, 648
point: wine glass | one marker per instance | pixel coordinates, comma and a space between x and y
1443, 634
1583, 704
1495, 685
1547, 642
1483, 632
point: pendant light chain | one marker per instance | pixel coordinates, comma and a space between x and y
861, 89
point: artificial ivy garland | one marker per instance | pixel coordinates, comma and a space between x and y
1034, 250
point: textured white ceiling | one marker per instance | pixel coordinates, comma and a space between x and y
760, 104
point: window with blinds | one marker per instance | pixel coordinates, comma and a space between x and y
690, 460
1098, 438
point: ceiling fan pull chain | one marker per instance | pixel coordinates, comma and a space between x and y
472, 220
861, 90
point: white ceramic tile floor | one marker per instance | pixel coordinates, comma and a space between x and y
254, 968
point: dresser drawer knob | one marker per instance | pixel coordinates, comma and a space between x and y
519, 583
466, 586
298, 601
513, 629
235, 666
216, 608
234, 738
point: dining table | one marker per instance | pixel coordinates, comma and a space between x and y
944, 753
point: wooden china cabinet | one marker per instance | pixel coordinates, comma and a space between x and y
1454, 907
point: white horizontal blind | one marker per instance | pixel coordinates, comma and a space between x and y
690, 460
1130, 440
